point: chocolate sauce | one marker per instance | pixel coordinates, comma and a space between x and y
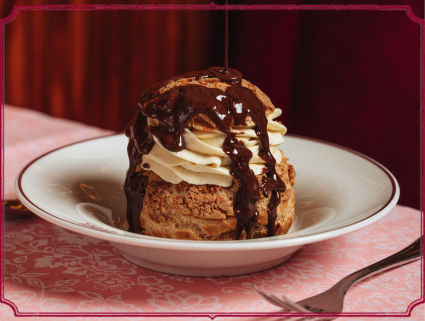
249, 191
140, 143
174, 109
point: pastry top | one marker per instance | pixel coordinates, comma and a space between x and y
204, 122
203, 160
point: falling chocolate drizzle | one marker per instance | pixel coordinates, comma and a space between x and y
226, 39
174, 109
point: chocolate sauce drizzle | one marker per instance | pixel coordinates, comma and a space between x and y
226, 39
174, 109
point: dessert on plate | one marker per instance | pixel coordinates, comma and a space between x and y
205, 162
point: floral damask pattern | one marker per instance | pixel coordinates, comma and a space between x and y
50, 269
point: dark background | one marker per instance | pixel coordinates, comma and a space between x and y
348, 77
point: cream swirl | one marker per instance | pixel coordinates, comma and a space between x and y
203, 160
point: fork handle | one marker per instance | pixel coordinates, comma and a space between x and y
408, 254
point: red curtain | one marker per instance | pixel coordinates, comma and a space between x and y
92, 66
347, 77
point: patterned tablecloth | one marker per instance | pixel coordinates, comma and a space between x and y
49, 271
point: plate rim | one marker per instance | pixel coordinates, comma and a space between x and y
243, 245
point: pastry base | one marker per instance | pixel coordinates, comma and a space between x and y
205, 212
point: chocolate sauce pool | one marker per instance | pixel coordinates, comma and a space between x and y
174, 109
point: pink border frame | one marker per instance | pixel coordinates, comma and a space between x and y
211, 6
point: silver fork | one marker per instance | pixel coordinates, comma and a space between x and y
331, 302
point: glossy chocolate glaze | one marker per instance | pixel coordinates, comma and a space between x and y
174, 109
140, 143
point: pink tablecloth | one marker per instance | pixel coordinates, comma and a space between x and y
51, 271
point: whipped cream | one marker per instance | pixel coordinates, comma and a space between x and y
203, 160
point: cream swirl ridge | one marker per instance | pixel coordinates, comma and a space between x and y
203, 160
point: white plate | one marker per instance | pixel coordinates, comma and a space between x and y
79, 187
